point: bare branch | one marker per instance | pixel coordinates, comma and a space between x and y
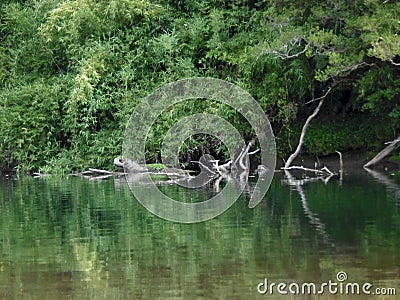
304, 130
320, 98
391, 142
324, 170
394, 63
347, 70
254, 152
340, 166
327, 170
287, 55
203, 165
241, 158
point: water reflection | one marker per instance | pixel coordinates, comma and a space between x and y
390, 184
314, 220
71, 238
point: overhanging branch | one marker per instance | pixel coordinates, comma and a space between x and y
287, 55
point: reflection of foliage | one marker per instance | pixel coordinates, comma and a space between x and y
96, 234
95, 239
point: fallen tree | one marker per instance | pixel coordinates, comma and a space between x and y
237, 168
385, 152
305, 126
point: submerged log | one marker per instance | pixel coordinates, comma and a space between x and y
97, 174
236, 169
324, 170
100, 171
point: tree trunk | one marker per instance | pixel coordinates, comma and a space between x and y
392, 146
303, 133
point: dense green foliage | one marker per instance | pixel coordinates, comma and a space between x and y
72, 71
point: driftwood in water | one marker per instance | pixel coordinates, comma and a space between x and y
241, 162
207, 165
238, 165
40, 175
392, 146
236, 169
100, 171
340, 162
304, 181
129, 166
324, 170
97, 174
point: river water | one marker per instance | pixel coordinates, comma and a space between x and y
71, 238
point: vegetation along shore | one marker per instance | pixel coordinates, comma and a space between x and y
72, 71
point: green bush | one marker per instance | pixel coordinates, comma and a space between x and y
72, 72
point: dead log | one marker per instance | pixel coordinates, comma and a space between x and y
128, 165
101, 177
225, 168
241, 161
100, 171
304, 130
340, 161
39, 175
204, 167
324, 170
392, 146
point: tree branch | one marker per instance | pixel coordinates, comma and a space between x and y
203, 165
394, 63
324, 170
304, 130
320, 98
287, 55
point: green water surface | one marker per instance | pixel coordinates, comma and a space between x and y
71, 238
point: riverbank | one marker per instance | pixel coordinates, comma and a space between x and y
351, 161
